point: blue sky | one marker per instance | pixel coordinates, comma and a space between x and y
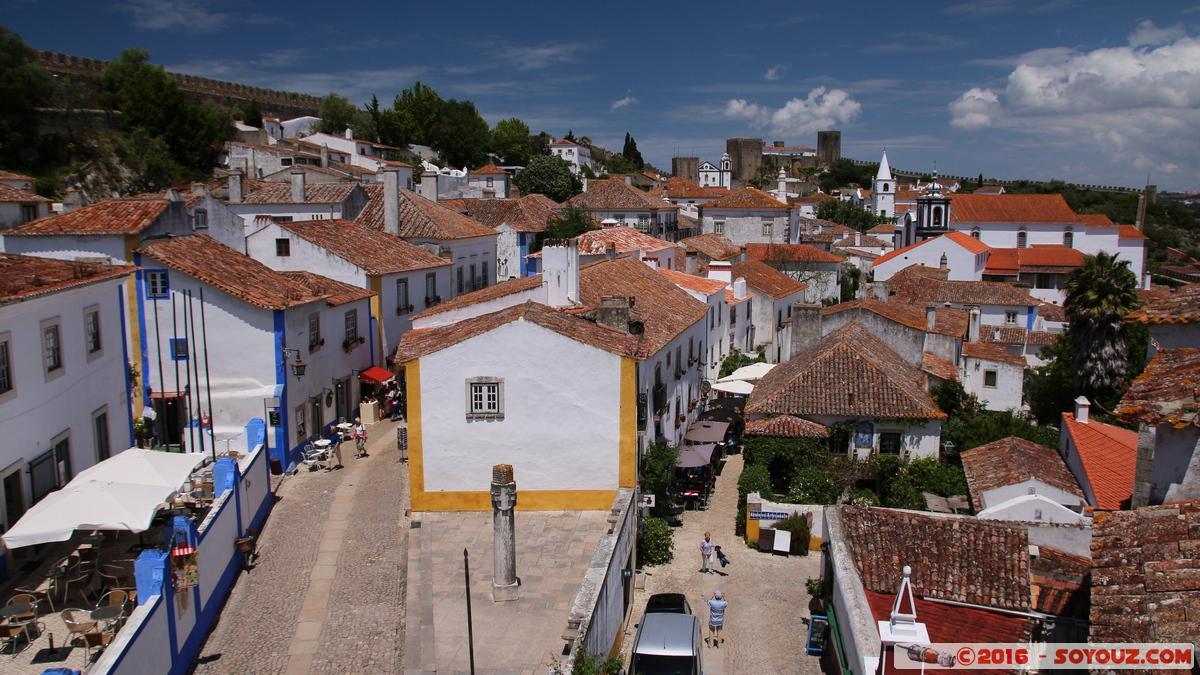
1088, 91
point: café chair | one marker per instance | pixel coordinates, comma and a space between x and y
76, 622
38, 594
96, 640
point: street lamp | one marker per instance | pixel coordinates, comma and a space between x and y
948, 447
298, 366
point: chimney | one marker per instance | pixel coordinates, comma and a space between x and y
1082, 406
505, 586
944, 263
691, 263
782, 185
629, 180
173, 195
73, 200
610, 252
806, 327
391, 200
739, 289
198, 189
857, 238
429, 186
349, 134
973, 326
235, 187
614, 312
930, 316
297, 185
560, 272
513, 192
719, 270
324, 155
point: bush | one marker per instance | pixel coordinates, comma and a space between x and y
860, 497
657, 545
658, 472
755, 478
590, 664
812, 485
932, 475
797, 524
815, 587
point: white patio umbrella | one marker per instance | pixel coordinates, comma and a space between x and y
141, 466
753, 372
734, 387
695, 455
88, 505
706, 432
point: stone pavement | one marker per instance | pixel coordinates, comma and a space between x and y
765, 623
327, 592
554, 550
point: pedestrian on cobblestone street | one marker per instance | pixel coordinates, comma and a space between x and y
335, 448
706, 554
360, 437
716, 619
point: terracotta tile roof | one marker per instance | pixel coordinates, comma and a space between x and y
1183, 306
714, 246
563, 141
966, 241
418, 343
825, 238
766, 279
8, 175
951, 623
314, 193
372, 250
882, 229
865, 241
1109, 456
421, 218
1010, 461
952, 322
687, 222
493, 292
932, 273
749, 198
1096, 220
25, 277
351, 168
1129, 232
626, 239
1060, 583
1050, 259
858, 253
241, 276
952, 558
1051, 312
1010, 208
614, 194
665, 309
907, 194
527, 214
276, 149
989, 190
731, 299
836, 229
1167, 392
789, 253
337, 292
992, 352
10, 194
489, 170
115, 216
918, 288
692, 282
1153, 294
679, 188
1015, 335
848, 373
1144, 572
939, 368
812, 199
786, 426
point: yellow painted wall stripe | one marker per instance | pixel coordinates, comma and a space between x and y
375, 284
416, 458
627, 475
135, 333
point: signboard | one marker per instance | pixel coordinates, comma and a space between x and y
648, 500
783, 541
273, 418
769, 515
185, 572
863, 434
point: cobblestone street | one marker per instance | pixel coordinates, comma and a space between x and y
765, 629
327, 593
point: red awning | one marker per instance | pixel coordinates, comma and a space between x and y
376, 375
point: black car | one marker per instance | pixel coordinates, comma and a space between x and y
668, 603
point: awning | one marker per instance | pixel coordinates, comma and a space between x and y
695, 455
721, 415
144, 467
753, 372
376, 375
88, 505
706, 432
734, 387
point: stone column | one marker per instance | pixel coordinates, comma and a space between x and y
505, 585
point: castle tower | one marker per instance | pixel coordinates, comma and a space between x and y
883, 190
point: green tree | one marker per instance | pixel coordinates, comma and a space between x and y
618, 164
848, 214
511, 140
658, 474
420, 110
337, 114
24, 86
252, 116
570, 136
461, 136
550, 176
631, 153
737, 359
1098, 296
568, 223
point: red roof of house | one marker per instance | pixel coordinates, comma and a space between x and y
1050, 259
421, 218
626, 239
812, 199
964, 240
989, 190
114, 216
947, 321
913, 285
614, 195
1096, 220
1012, 460
372, 250
1010, 208
1109, 457
336, 292
992, 352
789, 253
8, 175
712, 245
882, 229
766, 279
314, 193
679, 188
1129, 232
25, 277
489, 170
493, 292
1016, 335
749, 198
1182, 306
527, 214
731, 299
12, 194
849, 373
939, 368
692, 282
865, 241
786, 426
1166, 392
664, 309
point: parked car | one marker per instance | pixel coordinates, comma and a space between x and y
667, 643
668, 603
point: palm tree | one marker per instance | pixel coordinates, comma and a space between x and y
1099, 295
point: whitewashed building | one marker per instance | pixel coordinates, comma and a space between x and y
749, 216
1012, 469
578, 156
18, 203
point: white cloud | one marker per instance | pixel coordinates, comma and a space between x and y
537, 58
776, 72
1139, 104
822, 109
628, 100
189, 15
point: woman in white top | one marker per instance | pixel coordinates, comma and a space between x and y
360, 437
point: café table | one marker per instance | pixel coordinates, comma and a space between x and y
107, 615
15, 609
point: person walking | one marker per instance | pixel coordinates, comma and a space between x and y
335, 449
360, 437
716, 619
706, 554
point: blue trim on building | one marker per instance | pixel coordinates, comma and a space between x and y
1029, 317
280, 451
128, 374
141, 315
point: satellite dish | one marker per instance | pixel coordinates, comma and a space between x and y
705, 387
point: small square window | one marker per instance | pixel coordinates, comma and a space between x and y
91, 329
179, 349
28, 212
989, 378
766, 229
1010, 318
283, 247
52, 347
200, 219
890, 442
156, 284
401, 296
719, 227
485, 398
